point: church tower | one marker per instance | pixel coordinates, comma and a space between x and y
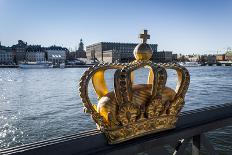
81, 45
80, 53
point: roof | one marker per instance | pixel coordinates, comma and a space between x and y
54, 47
118, 43
34, 48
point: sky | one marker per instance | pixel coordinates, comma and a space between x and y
181, 26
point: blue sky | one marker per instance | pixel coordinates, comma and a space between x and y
181, 26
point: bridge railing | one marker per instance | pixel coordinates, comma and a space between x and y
191, 127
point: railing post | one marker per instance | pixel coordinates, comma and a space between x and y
196, 145
181, 146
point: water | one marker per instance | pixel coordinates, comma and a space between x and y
38, 104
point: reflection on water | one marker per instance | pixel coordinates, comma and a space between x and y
38, 104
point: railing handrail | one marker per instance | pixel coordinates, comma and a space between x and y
190, 123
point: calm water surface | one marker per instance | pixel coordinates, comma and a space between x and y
38, 104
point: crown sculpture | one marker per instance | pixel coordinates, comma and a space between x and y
134, 110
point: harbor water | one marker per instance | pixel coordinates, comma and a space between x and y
38, 104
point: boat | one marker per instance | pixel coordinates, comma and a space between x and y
190, 64
35, 65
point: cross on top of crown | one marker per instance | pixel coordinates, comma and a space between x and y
144, 36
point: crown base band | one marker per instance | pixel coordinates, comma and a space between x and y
140, 128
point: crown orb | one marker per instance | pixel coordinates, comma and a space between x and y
143, 51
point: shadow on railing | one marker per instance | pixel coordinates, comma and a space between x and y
191, 126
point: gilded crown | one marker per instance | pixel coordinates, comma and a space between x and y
134, 110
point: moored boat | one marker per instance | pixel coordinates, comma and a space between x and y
35, 65
190, 64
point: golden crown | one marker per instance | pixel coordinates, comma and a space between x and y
134, 110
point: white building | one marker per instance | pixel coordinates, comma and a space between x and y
56, 54
35, 53
35, 56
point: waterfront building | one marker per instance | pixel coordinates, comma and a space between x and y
71, 56
35, 53
6, 55
193, 58
163, 56
20, 51
228, 55
211, 59
203, 59
80, 53
113, 52
56, 54
174, 57
220, 57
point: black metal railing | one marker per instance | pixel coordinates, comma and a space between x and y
191, 127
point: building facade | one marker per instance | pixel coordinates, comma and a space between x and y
35, 53
6, 56
20, 51
80, 53
174, 57
193, 58
113, 52
211, 59
70, 56
163, 56
56, 54
220, 57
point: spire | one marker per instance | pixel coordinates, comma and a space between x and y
81, 45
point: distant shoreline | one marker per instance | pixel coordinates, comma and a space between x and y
67, 66
90, 65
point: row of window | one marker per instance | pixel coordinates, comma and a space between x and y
3, 59
6, 56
